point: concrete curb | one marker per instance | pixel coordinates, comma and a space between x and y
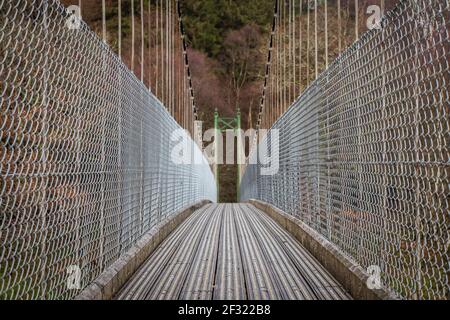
350, 274
109, 282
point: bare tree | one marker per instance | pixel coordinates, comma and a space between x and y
240, 58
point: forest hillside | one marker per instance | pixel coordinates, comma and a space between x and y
227, 49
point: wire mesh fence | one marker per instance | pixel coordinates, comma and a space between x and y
85, 154
364, 152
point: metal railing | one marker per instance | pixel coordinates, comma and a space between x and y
364, 152
85, 155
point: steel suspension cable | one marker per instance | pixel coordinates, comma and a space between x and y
150, 44
132, 35
326, 32
142, 41
103, 21
279, 66
301, 48
307, 41
162, 45
169, 55
356, 19
294, 69
316, 41
283, 46
119, 27
339, 26
157, 44
290, 62
172, 58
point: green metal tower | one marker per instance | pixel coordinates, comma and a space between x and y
222, 124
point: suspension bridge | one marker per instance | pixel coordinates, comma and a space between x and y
94, 207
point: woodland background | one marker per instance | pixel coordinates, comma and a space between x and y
227, 48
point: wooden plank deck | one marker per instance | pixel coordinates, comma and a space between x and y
231, 251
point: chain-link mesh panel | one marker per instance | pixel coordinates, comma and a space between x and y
85, 154
363, 153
